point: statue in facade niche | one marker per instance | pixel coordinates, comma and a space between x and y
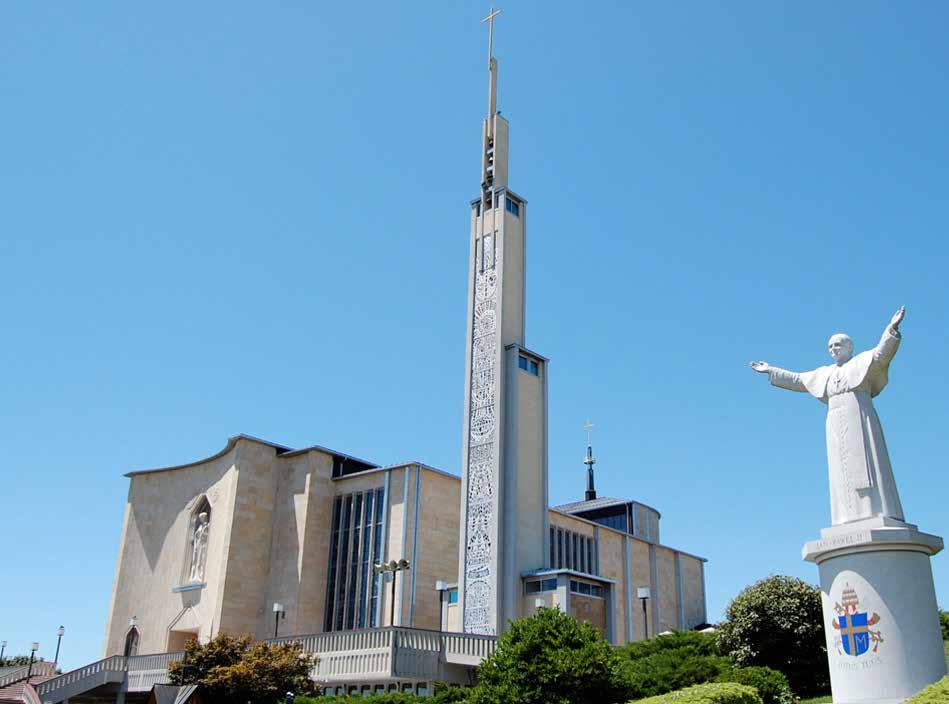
199, 547
861, 478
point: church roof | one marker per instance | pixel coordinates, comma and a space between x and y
591, 505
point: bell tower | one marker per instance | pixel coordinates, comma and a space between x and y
504, 457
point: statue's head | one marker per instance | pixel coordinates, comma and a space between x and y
840, 347
202, 517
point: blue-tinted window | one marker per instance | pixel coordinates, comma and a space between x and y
522, 363
453, 596
512, 206
533, 366
549, 585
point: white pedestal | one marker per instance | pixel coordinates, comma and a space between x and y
884, 642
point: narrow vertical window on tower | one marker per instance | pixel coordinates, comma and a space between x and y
512, 206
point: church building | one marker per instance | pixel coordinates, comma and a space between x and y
316, 545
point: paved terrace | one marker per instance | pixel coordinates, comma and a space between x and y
375, 655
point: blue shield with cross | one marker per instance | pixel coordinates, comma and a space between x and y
854, 633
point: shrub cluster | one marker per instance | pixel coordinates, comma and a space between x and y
778, 623
668, 663
233, 669
772, 686
444, 694
944, 623
712, 693
937, 693
549, 658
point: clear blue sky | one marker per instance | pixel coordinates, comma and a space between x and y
242, 217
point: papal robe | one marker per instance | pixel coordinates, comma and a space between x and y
861, 478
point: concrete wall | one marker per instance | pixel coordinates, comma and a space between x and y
589, 609
155, 552
437, 555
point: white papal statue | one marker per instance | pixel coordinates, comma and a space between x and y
861, 478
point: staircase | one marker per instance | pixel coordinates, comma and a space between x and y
137, 673
14, 688
381, 654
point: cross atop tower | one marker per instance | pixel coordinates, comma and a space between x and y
589, 461
492, 68
490, 20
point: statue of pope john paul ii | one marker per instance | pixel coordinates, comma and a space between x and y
861, 478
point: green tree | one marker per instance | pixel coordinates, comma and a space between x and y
944, 622
778, 623
550, 658
231, 669
670, 662
16, 661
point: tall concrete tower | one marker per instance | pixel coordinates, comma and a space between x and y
504, 465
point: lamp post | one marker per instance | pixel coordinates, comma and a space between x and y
59, 639
33, 648
278, 611
643, 594
392, 566
3, 647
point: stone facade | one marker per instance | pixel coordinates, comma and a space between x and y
271, 512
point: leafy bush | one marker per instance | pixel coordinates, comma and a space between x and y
670, 662
381, 698
711, 693
230, 669
444, 694
549, 658
944, 622
778, 623
772, 686
937, 693
704, 643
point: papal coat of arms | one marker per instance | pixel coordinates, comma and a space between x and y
855, 634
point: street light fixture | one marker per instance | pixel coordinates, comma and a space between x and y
3, 647
59, 639
278, 612
392, 566
34, 646
643, 594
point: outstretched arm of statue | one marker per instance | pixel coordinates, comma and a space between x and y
890, 342
780, 377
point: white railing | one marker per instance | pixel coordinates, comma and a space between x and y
145, 671
115, 663
468, 649
29, 694
342, 656
40, 667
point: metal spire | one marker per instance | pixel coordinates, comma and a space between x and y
589, 461
492, 67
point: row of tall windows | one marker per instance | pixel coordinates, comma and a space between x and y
352, 587
572, 551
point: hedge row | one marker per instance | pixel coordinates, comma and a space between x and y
711, 693
937, 693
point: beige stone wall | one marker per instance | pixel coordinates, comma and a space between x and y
437, 555
399, 513
300, 542
589, 609
155, 552
641, 578
613, 566
244, 600
666, 579
693, 591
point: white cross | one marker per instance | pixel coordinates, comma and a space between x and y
588, 425
490, 20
